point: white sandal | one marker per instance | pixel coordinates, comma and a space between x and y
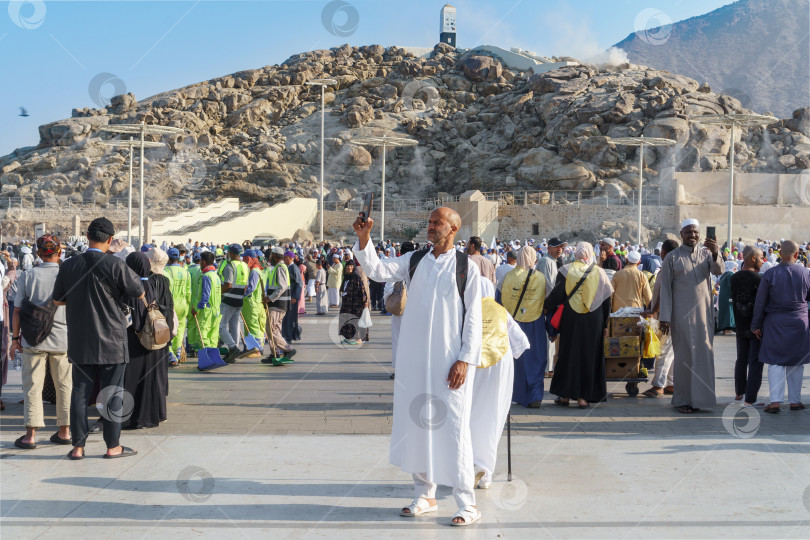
419, 506
470, 514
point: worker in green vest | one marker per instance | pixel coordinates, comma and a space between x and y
234, 282
219, 251
195, 273
206, 312
253, 306
180, 285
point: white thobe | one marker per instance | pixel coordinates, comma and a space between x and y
492, 397
431, 429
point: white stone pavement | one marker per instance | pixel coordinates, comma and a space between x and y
684, 482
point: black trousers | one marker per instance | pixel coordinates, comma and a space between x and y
116, 405
747, 368
376, 291
289, 325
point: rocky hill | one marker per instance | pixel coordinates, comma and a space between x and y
255, 134
756, 50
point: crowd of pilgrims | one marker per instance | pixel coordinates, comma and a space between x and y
215, 295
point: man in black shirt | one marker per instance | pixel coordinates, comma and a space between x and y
93, 287
744, 285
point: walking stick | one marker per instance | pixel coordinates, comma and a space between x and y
508, 448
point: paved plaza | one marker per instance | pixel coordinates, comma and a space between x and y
301, 451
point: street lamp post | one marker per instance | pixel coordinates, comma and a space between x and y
131, 145
733, 121
384, 141
141, 129
640, 142
323, 83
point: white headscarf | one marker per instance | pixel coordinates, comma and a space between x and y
157, 259
584, 252
527, 257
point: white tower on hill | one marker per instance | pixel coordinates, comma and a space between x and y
447, 25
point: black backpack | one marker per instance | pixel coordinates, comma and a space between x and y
462, 263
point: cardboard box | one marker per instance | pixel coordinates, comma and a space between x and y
624, 326
622, 368
622, 347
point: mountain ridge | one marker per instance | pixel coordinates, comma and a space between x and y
732, 48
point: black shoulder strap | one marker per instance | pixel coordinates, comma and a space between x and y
581, 281
520, 299
414, 262
462, 264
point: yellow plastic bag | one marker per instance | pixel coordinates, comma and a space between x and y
652, 345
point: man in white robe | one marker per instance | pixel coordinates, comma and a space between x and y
438, 352
492, 390
685, 308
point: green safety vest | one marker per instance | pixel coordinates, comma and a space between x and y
283, 301
180, 285
208, 317
235, 295
195, 273
253, 309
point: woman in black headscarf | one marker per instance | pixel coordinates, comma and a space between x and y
146, 378
355, 299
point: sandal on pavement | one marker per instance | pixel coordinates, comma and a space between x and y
56, 439
419, 506
669, 390
470, 514
653, 392
125, 452
560, 402
75, 458
797, 406
24, 445
773, 410
685, 409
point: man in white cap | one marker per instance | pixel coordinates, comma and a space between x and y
686, 311
630, 287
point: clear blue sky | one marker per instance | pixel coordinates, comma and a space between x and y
51, 51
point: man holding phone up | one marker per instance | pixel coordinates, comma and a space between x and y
686, 311
437, 352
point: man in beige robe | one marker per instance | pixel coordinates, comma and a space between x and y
630, 286
686, 311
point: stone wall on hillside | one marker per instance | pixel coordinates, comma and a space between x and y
588, 222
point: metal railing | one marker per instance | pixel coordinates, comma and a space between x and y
600, 197
216, 219
65, 202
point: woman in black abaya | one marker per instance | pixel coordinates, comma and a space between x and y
146, 378
579, 372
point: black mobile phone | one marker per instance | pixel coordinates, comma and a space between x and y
711, 233
368, 199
